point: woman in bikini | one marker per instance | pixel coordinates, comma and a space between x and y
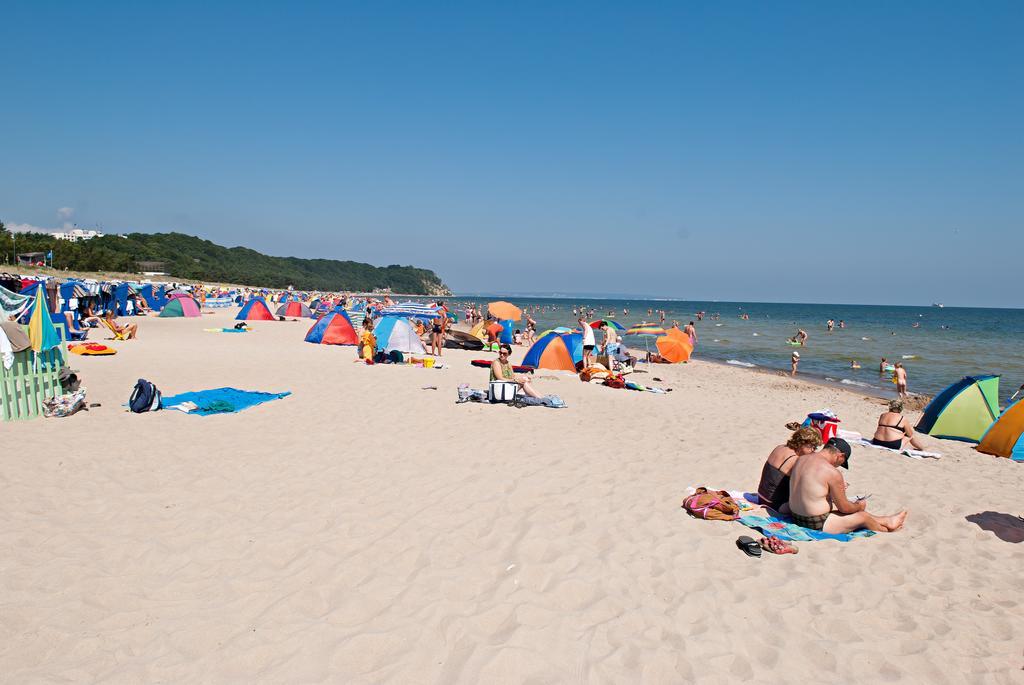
894, 430
501, 370
773, 489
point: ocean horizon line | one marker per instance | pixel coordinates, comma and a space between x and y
652, 298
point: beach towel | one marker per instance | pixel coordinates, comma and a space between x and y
906, 452
91, 349
759, 517
226, 330
221, 400
784, 529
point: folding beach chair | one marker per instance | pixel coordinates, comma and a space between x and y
118, 335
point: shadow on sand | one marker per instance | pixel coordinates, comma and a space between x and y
1007, 527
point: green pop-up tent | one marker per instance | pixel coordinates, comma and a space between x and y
963, 411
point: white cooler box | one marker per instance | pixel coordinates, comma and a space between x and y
502, 391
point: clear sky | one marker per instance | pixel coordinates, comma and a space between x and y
821, 151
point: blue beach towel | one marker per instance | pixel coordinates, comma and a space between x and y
222, 400
787, 530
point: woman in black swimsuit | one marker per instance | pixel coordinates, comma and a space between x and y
894, 431
773, 489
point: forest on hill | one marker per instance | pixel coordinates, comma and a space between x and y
191, 258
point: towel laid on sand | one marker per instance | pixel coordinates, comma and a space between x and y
222, 400
785, 529
753, 515
907, 452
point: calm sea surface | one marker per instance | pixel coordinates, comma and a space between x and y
946, 344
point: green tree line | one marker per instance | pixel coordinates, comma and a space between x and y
191, 258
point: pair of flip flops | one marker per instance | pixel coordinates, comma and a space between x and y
772, 544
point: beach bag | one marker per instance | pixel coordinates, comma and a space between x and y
711, 505
145, 397
502, 391
396, 357
464, 392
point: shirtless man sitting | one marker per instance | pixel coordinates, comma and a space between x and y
817, 495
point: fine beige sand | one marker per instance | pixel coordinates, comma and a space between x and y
367, 530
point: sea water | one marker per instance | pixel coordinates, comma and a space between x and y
937, 346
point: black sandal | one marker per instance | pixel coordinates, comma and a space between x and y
749, 546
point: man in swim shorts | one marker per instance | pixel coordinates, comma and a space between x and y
817, 495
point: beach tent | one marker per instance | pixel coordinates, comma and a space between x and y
559, 351
333, 328
255, 309
1005, 438
294, 308
179, 306
963, 411
396, 333
478, 332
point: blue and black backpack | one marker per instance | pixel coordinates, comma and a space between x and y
145, 397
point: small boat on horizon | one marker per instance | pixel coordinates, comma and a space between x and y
938, 304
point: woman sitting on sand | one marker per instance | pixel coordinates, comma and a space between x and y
501, 370
773, 490
894, 430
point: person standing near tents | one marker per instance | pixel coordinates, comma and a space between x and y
589, 342
436, 335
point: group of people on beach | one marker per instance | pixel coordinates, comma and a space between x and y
801, 478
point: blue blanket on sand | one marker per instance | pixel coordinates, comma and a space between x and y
222, 400
785, 529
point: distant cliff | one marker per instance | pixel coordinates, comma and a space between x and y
191, 258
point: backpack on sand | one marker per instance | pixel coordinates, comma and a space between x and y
145, 397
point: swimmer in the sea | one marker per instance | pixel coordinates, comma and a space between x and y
854, 364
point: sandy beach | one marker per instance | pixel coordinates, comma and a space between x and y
367, 529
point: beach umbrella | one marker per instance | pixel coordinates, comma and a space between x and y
41, 332
611, 322
647, 329
505, 310
673, 349
559, 329
410, 309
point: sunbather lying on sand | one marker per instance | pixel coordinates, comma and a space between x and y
817, 495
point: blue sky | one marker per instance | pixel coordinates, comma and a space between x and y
841, 152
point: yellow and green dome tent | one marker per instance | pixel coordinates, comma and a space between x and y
963, 411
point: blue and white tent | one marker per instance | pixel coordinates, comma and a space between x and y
396, 333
